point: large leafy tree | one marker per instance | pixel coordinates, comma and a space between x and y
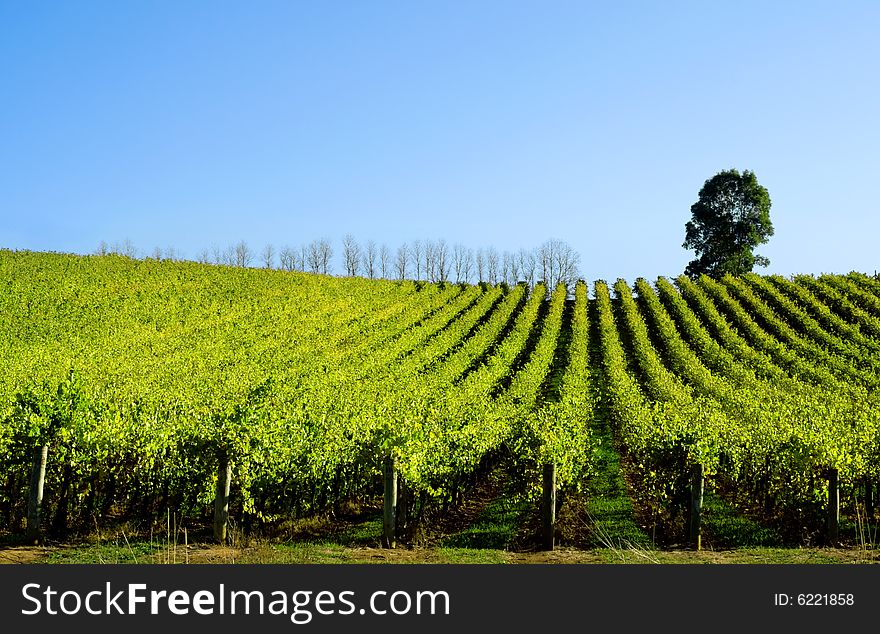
730, 219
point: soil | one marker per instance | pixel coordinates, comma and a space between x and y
22, 554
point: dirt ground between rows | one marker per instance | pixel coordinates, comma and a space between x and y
213, 554
22, 554
225, 555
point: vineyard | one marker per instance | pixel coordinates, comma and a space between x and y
129, 387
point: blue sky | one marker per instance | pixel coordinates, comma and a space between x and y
192, 124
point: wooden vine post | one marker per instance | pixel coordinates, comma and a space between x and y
34, 532
833, 505
697, 483
390, 506
549, 506
221, 498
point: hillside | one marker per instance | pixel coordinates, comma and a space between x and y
156, 385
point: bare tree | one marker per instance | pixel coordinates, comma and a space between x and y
467, 269
505, 267
430, 259
481, 266
492, 265
370, 259
325, 249
351, 255
268, 256
243, 255
459, 253
216, 254
204, 257
287, 259
558, 263
303, 259
402, 260
567, 264
527, 263
545, 262
173, 254
157, 253
510, 266
128, 249
384, 260
102, 249
441, 255
314, 257
229, 255
416, 255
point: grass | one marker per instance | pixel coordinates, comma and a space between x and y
365, 532
144, 552
607, 511
107, 553
726, 527
495, 528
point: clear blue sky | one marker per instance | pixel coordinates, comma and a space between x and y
189, 124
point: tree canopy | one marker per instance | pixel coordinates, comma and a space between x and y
730, 219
